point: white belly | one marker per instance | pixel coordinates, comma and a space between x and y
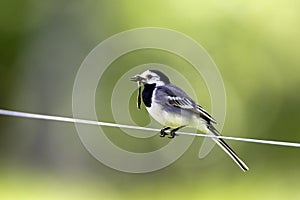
164, 117
174, 121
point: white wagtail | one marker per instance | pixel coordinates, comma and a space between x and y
174, 109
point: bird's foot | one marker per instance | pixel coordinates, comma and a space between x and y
173, 132
163, 132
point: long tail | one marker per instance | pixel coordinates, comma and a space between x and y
227, 149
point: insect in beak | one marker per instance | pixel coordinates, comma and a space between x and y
139, 99
138, 79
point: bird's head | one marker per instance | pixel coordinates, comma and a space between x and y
151, 77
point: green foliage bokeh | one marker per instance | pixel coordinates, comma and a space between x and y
255, 45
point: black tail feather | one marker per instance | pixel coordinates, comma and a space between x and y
227, 148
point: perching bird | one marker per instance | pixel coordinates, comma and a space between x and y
174, 109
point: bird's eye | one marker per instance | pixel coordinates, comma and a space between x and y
149, 76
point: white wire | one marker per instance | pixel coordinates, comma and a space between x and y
97, 123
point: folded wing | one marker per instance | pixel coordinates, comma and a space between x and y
177, 97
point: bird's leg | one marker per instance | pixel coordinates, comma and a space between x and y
172, 133
163, 131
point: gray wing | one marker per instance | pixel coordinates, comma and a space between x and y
178, 98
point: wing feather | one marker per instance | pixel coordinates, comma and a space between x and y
177, 97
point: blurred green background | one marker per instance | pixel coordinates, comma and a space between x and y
255, 45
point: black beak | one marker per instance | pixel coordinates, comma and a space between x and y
137, 78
